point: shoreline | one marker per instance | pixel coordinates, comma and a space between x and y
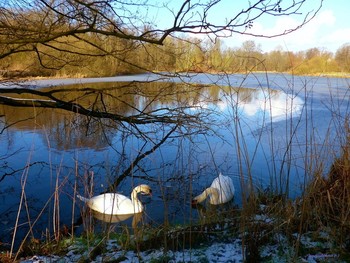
169, 75
42, 82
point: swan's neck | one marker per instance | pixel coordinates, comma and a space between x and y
134, 197
138, 207
211, 192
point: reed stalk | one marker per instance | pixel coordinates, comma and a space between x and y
24, 178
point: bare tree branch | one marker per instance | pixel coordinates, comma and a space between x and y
140, 156
25, 23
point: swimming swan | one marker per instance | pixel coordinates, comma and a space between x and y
117, 204
221, 191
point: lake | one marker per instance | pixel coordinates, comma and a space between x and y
265, 131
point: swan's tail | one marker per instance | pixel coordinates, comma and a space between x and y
83, 198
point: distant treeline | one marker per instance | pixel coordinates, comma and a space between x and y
111, 56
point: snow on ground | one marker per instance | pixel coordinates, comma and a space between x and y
215, 252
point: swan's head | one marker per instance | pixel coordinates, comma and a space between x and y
195, 201
211, 192
143, 189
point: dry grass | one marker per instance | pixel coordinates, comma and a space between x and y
328, 199
5, 257
324, 208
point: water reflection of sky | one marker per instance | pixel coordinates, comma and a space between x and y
273, 106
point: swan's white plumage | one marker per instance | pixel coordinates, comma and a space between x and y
117, 204
221, 191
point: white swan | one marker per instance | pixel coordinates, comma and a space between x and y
221, 191
117, 204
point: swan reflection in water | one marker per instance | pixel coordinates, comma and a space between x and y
118, 218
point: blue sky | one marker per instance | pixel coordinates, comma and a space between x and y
329, 30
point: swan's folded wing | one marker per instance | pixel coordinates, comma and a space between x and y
113, 204
225, 188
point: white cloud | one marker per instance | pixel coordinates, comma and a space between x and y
319, 32
309, 34
339, 36
325, 17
